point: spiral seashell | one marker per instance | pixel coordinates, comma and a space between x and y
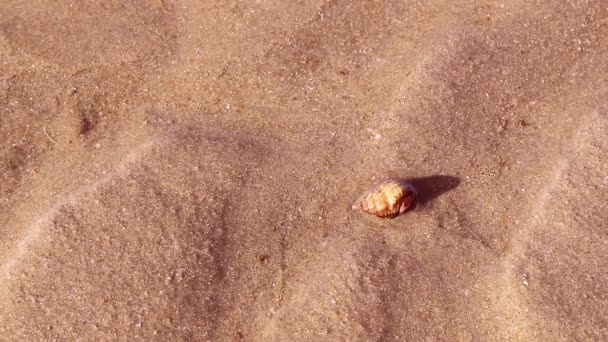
391, 198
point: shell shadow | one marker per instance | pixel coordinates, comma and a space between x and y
429, 188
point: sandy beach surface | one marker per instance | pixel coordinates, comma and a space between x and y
182, 170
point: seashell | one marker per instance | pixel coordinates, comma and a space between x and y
389, 199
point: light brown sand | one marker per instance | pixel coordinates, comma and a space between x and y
184, 170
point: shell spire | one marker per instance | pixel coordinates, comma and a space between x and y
389, 199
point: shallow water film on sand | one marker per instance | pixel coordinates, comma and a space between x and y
181, 170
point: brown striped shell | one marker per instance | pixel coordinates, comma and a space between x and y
391, 198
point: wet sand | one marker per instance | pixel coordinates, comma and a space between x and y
185, 170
